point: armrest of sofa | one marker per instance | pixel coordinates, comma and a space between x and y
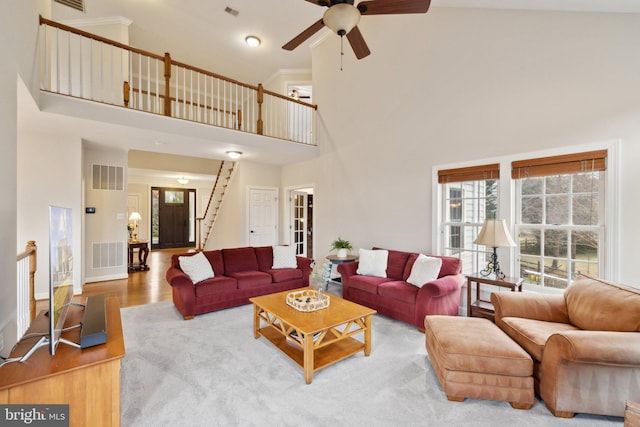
304, 264
347, 269
184, 291
440, 296
598, 347
530, 305
178, 278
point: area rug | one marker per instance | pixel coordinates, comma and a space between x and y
210, 371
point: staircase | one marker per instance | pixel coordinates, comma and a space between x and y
208, 220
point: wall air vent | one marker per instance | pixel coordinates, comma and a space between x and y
107, 177
74, 4
231, 12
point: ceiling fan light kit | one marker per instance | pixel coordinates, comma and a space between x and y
342, 17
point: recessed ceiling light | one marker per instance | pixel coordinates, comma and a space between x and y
234, 154
252, 41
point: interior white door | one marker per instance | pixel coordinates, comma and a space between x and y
299, 221
263, 217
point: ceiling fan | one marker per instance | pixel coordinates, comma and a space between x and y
342, 18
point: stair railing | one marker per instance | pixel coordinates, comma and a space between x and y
208, 219
83, 65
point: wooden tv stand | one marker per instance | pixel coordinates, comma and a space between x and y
86, 379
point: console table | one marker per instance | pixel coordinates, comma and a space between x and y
88, 380
483, 308
143, 253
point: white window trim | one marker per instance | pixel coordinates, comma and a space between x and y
507, 206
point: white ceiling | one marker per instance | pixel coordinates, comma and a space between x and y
201, 33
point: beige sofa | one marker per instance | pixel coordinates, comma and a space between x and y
585, 344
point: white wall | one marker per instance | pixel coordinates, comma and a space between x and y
458, 85
18, 32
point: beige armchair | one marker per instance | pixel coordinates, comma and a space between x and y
585, 344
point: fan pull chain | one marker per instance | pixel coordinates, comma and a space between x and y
341, 50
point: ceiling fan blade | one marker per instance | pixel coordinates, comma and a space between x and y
390, 7
320, 2
303, 36
357, 43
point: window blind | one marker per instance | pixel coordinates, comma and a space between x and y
590, 161
473, 173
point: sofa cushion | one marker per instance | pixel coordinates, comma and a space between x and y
239, 259
264, 255
196, 266
398, 290
424, 269
216, 285
215, 259
373, 262
251, 279
367, 283
597, 305
283, 274
450, 266
396, 264
284, 257
532, 334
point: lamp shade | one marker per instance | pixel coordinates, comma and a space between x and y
495, 234
135, 216
341, 18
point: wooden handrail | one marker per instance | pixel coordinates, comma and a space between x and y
31, 251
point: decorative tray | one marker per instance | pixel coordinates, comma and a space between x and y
307, 300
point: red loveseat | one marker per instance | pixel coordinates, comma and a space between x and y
393, 296
239, 274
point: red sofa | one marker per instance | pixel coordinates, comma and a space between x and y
240, 273
394, 297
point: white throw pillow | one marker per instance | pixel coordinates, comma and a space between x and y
284, 257
424, 270
373, 262
197, 267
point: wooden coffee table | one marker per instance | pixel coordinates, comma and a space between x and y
326, 335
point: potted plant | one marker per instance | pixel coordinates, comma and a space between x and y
342, 246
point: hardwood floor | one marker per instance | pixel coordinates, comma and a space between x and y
141, 287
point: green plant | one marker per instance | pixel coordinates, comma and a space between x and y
340, 243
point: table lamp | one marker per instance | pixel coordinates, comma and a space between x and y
135, 217
494, 233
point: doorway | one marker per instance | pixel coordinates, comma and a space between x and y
173, 217
301, 221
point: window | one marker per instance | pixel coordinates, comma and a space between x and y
560, 217
469, 195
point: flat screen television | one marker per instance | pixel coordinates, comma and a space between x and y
60, 279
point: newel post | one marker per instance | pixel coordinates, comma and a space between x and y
32, 249
126, 90
260, 124
167, 84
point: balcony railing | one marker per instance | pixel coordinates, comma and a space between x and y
80, 64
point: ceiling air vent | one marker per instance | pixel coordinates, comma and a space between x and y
231, 12
74, 4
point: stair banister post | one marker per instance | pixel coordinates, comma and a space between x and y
167, 84
126, 90
32, 249
260, 124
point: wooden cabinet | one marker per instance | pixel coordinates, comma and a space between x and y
86, 379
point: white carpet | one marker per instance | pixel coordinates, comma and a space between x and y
210, 371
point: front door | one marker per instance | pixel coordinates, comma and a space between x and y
173, 218
263, 216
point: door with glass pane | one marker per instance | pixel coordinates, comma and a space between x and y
172, 218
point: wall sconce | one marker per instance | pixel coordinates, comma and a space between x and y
182, 180
234, 154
